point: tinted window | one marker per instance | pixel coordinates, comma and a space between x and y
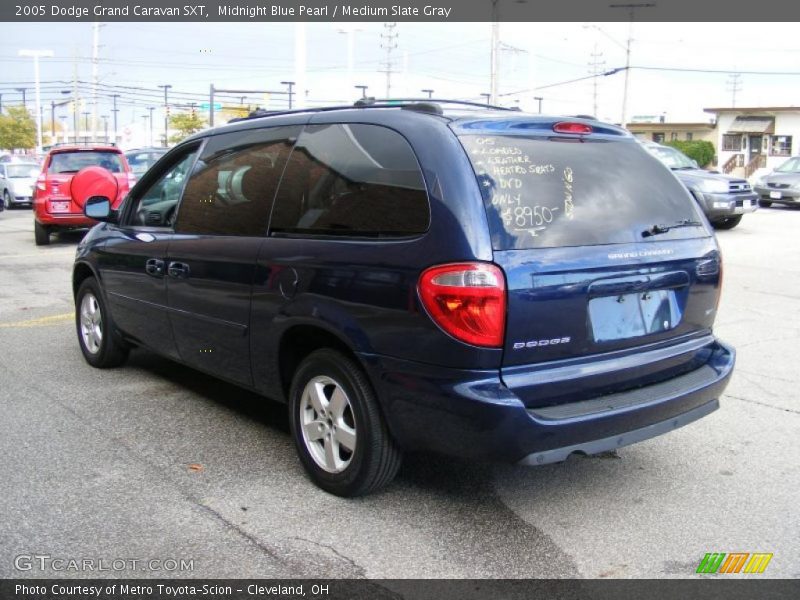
139, 162
567, 192
361, 180
72, 162
233, 183
156, 206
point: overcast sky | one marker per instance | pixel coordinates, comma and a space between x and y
451, 58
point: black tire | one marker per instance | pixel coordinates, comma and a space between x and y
41, 233
376, 458
764, 203
727, 223
6, 201
111, 351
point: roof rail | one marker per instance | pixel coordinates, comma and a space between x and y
393, 102
429, 105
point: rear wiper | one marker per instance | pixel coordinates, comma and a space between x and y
656, 229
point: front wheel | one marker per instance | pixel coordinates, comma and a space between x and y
98, 340
337, 426
6, 200
727, 223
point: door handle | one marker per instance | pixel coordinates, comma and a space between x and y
154, 267
178, 269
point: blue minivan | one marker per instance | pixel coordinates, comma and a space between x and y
418, 275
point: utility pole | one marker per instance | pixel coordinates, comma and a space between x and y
630, 8
389, 43
734, 87
363, 89
151, 109
166, 112
95, 63
115, 110
291, 93
75, 99
105, 126
211, 105
596, 68
429, 92
539, 100
493, 67
36, 55
86, 114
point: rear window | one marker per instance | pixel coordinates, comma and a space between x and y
72, 162
552, 192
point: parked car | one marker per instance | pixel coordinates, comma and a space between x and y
17, 181
782, 186
142, 159
724, 199
55, 207
477, 282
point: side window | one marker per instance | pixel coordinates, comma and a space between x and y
157, 206
233, 183
351, 180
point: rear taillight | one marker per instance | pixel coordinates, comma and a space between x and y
41, 182
467, 300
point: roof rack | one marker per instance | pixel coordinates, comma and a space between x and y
428, 105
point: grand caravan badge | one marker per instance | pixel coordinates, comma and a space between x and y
541, 343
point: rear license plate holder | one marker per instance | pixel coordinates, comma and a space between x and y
631, 315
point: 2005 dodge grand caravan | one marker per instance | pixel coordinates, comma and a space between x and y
473, 281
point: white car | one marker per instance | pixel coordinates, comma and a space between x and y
17, 181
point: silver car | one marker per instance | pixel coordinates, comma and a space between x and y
17, 181
782, 186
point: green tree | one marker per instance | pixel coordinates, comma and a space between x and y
699, 150
17, 129
185, 124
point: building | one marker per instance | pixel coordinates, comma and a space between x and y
752, 141
670, 132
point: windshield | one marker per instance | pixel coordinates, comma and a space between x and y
671, 157
20, 171
72, 162
552, 192
790, 166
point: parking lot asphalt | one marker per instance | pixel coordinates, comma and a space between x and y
154, 461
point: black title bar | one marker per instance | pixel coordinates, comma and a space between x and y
400, 10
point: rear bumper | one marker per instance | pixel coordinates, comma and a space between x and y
472, 414
65, 220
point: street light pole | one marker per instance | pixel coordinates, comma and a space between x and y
105, 126
488, 97
363, 89
36, 55
539, 100
429, 92
166, 112
24, 101
86, 125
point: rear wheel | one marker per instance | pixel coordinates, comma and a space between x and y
727, 223
764, 203
6, 200
337, 426
98, 340
41, 233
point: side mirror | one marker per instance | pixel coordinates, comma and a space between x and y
99, 209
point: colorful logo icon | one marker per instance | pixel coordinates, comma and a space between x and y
734, 562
